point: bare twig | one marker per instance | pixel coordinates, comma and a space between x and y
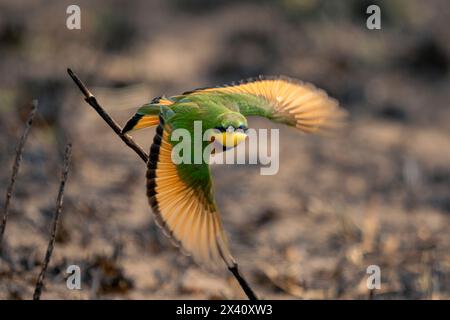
15, 168
51, 242
242, 282
90, 99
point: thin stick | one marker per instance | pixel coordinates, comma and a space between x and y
90, 99
242, 282
51, 242
15, 168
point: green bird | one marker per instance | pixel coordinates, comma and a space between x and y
181, 195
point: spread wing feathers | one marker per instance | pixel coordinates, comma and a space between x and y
182, 207
147, 115
285, 100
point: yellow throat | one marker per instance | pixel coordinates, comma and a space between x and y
229, 139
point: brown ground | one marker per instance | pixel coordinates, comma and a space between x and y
377, 194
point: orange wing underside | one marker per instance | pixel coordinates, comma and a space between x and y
182, 211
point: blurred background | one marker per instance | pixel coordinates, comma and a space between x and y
378, 193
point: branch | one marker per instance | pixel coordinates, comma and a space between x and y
90, 99
51, 243
242, 282
15, 168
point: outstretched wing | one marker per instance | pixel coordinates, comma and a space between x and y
284, 100
182, 199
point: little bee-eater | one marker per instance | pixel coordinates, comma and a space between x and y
181, 195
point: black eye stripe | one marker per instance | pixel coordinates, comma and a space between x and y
241, 127
221, 129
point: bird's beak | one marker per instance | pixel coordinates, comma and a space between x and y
229, 139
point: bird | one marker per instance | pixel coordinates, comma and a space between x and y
181, 195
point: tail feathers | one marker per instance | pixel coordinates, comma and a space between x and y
139, 121
147, 115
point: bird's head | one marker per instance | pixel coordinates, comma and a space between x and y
230, 129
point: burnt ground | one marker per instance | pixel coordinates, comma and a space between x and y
378, 193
